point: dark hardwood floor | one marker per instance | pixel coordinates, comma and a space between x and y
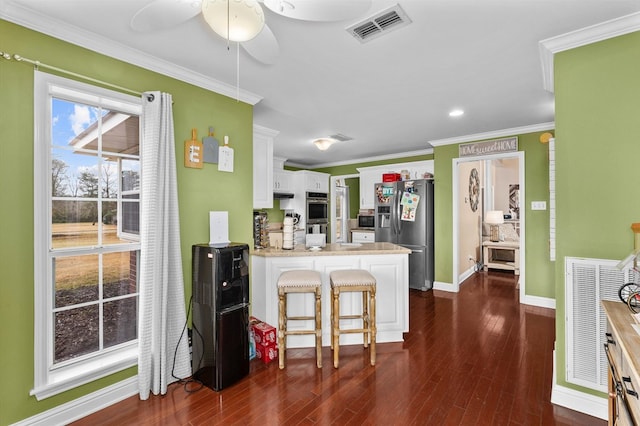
472, 358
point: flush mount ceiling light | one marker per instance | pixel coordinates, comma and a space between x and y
234, 20
324, 143
456, 113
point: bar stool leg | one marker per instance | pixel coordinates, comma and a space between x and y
365, 318
282, 326
318, 328
336, 325
372, 324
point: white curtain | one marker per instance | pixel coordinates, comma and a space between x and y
162, 310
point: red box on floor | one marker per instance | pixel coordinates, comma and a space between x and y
266, 353
264, 334
391, 177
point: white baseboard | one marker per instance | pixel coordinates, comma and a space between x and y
439, 285
83, 406
542, 302
466, 274
576, 400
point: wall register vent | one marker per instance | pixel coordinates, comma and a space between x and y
588, 282
381, 23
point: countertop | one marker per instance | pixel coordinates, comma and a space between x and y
363, 229
337, 249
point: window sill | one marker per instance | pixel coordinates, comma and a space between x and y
69, 377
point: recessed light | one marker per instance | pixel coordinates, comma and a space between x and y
456, 113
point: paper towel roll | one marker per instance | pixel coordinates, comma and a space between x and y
316, 229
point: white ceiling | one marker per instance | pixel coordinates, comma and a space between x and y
391, 95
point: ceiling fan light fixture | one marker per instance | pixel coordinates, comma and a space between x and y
235, 20
324, 143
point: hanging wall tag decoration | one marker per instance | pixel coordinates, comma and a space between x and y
193, 152
225, 157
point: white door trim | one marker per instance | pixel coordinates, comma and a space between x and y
455, 196
332, 201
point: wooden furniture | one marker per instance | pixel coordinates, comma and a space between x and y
354, 281
622, 346
361, 236
299, 281
388, 263
502, 255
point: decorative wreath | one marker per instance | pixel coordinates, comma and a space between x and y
474, 189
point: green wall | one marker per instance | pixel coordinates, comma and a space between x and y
354, 196
199, 191
539, 270
597, 149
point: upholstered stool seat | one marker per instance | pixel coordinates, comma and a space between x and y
299, 281
354, 280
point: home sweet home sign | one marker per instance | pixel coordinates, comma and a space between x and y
494, 146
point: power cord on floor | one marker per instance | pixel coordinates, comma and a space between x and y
188, 380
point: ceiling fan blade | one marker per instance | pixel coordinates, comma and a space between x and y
319, 10
264, 47
163, 14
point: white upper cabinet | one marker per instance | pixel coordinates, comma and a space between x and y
263, 167
369, 176
315, 181
283, 181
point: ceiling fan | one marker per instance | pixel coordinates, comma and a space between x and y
163, 14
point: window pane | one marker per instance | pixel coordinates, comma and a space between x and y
76, 332
74, 223
76, 279
74, 173
131, 214
120, 271
120, 318
109, 179
130, 175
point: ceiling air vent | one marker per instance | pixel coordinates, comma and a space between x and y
340, 137
381, 23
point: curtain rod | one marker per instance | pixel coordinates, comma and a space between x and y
38, 64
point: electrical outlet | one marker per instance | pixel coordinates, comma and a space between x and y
538, 205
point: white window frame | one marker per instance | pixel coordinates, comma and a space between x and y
50, 380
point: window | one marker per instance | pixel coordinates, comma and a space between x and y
87, 199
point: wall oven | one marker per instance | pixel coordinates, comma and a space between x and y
317, 208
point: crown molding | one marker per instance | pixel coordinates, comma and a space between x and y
37, 21
264, 131
363, 160
495, 134
582, 37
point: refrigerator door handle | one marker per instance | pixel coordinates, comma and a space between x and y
397, 207
417, 251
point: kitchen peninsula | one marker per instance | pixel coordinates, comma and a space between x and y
387, 262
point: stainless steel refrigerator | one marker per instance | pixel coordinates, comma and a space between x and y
404, 216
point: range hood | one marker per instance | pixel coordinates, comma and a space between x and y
281, 195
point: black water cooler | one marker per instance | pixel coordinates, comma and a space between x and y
220, 314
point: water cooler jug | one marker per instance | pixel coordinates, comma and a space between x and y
220, 314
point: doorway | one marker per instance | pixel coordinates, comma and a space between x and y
340, 208
501, 187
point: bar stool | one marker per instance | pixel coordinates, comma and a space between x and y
299, 281
354, 280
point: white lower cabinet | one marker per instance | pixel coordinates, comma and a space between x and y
363, 237
392, 295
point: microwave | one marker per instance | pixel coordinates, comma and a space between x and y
366, 221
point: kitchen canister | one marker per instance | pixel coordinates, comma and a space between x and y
287, 233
